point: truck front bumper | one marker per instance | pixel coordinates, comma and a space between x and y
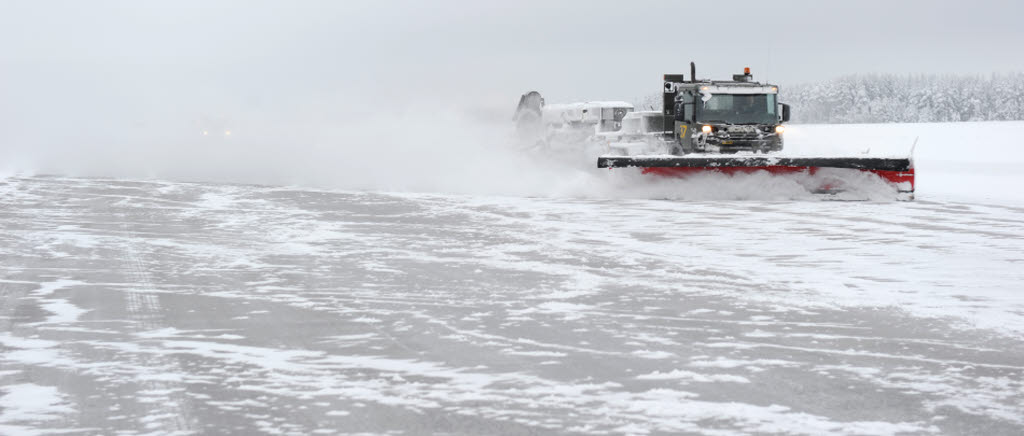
712, 143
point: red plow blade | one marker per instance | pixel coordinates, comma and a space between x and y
897, 171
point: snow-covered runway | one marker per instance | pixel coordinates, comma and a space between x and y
136, 307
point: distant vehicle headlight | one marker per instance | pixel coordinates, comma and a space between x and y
780, 129
706, 129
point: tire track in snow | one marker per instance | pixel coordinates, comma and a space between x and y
168, 410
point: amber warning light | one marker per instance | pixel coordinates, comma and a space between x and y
746, 70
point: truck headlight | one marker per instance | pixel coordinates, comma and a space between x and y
780, 129
705, 129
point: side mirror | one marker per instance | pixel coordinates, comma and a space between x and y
785, 112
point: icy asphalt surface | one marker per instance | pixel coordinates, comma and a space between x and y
163, 308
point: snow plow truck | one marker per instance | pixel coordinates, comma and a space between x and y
727, 126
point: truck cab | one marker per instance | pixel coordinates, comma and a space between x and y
719, 116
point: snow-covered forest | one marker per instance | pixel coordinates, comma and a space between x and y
888, 98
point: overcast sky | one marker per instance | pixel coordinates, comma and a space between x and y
336, 59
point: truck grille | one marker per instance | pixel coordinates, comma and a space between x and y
741, 133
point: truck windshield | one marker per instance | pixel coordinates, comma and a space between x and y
739, 109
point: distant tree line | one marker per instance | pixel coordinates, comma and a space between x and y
886, 98
889, 98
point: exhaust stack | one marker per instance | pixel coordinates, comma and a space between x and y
693, 72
